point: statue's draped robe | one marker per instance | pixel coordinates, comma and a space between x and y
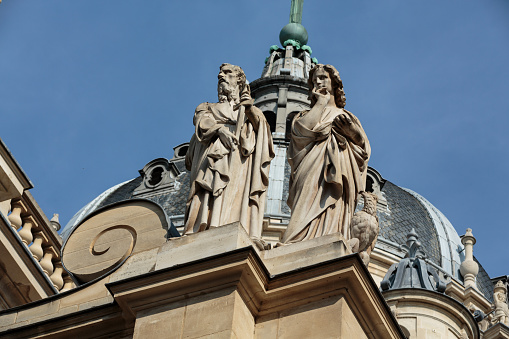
328, 170
227, 186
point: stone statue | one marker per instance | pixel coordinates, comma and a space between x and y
501, 310
328, 154
229, 157
364, 228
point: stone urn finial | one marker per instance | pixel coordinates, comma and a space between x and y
469, 268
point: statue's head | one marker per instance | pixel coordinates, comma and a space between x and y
231, 83
337, 84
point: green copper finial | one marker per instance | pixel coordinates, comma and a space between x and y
296, 11
294, 30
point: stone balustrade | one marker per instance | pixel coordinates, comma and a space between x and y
40, 236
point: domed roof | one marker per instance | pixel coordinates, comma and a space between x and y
407, 210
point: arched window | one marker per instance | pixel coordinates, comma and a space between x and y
180, 150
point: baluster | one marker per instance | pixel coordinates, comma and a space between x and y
36, 247
56, 277
26, 232
68, 284
15, 216
46, 264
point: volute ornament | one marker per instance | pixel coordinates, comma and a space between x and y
107, 237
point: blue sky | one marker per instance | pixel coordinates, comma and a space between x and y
90, 91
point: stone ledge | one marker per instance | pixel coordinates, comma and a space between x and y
225, 261
306, 253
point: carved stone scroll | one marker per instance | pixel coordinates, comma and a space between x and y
108, 237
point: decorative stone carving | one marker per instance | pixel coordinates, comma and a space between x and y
469, 268
501, 312
107, 237
158, 177
229, 157
328, 154
364, 227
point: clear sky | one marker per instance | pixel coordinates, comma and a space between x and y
91, 91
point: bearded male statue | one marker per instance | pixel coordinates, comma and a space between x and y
328, 155
229, 157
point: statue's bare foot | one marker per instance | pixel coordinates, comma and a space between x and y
364, 257
175, 238
261, 244
354, 244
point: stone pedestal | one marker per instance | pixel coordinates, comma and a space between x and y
217, 284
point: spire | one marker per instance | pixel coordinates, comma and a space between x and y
296, 11
294, 58
294, 31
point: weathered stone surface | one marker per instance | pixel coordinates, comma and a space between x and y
305, 253
94, 291
160, 322
189, 248
141, 263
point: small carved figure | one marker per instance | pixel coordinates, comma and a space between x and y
229, 157
501, 314
364, 227
328, 154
